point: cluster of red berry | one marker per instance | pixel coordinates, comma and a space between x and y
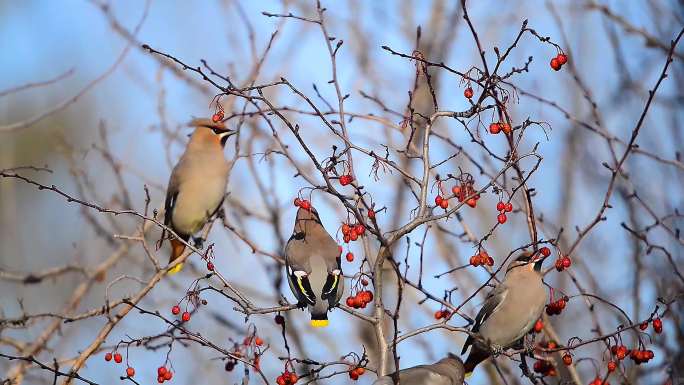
481, 259
497, 127
287, 378
556, 307
360, 299
185, 317
130, 372
163, 374
468, 93
464, 190
356, 372
545, 368
558, 61
442, 314
217, 117
442, 202
346, 179
303, 203
352, 232
503, 208
563, 263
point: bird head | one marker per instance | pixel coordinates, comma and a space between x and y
527, 261
306, 218
212, 131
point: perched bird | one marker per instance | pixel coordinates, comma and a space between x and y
197, 184
312, 260
509, 311
447, 371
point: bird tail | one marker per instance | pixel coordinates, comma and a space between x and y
319, 321
474, 358
177, 248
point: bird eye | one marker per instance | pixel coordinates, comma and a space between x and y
216, 130
299, 236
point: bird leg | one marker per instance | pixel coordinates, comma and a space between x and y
496, 349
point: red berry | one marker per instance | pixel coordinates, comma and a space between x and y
555, 64
346, 238
643, 325
438, 200
368, 295
567, 359
468, 93
350, 256
611, 366
108, 356
258, 341
186, 316
168, 375
130, 372
281, 380
297, 202
160, 379
118, 358
490, 261
279, 319
438, 314
501, 218
353, 236
456, 190
353, 375
360, 371
657, 324
506, 128
305, 204
474, 260
359, 229
500, 206
371, 214
472, 202
345, 229
444, 204
175, 310
538, 326
346, 179
562, 58
161, 371
545, 251
210, 266
350, 301
364, 281
566, 262
494, 128
508, 207
559, 264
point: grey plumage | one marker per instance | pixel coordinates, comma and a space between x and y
312, 260
447, 371
198, 182
509, 311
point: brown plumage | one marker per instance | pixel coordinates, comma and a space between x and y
197, 183
509, 312
312, 260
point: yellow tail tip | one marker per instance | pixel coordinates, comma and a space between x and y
467, 375
176, 269
319, 323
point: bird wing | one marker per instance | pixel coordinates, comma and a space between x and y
494, 299
295, 251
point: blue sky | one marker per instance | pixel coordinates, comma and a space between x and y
74, 34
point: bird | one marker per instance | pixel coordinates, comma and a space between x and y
509, 311
314, 270
197, 184
447, 371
